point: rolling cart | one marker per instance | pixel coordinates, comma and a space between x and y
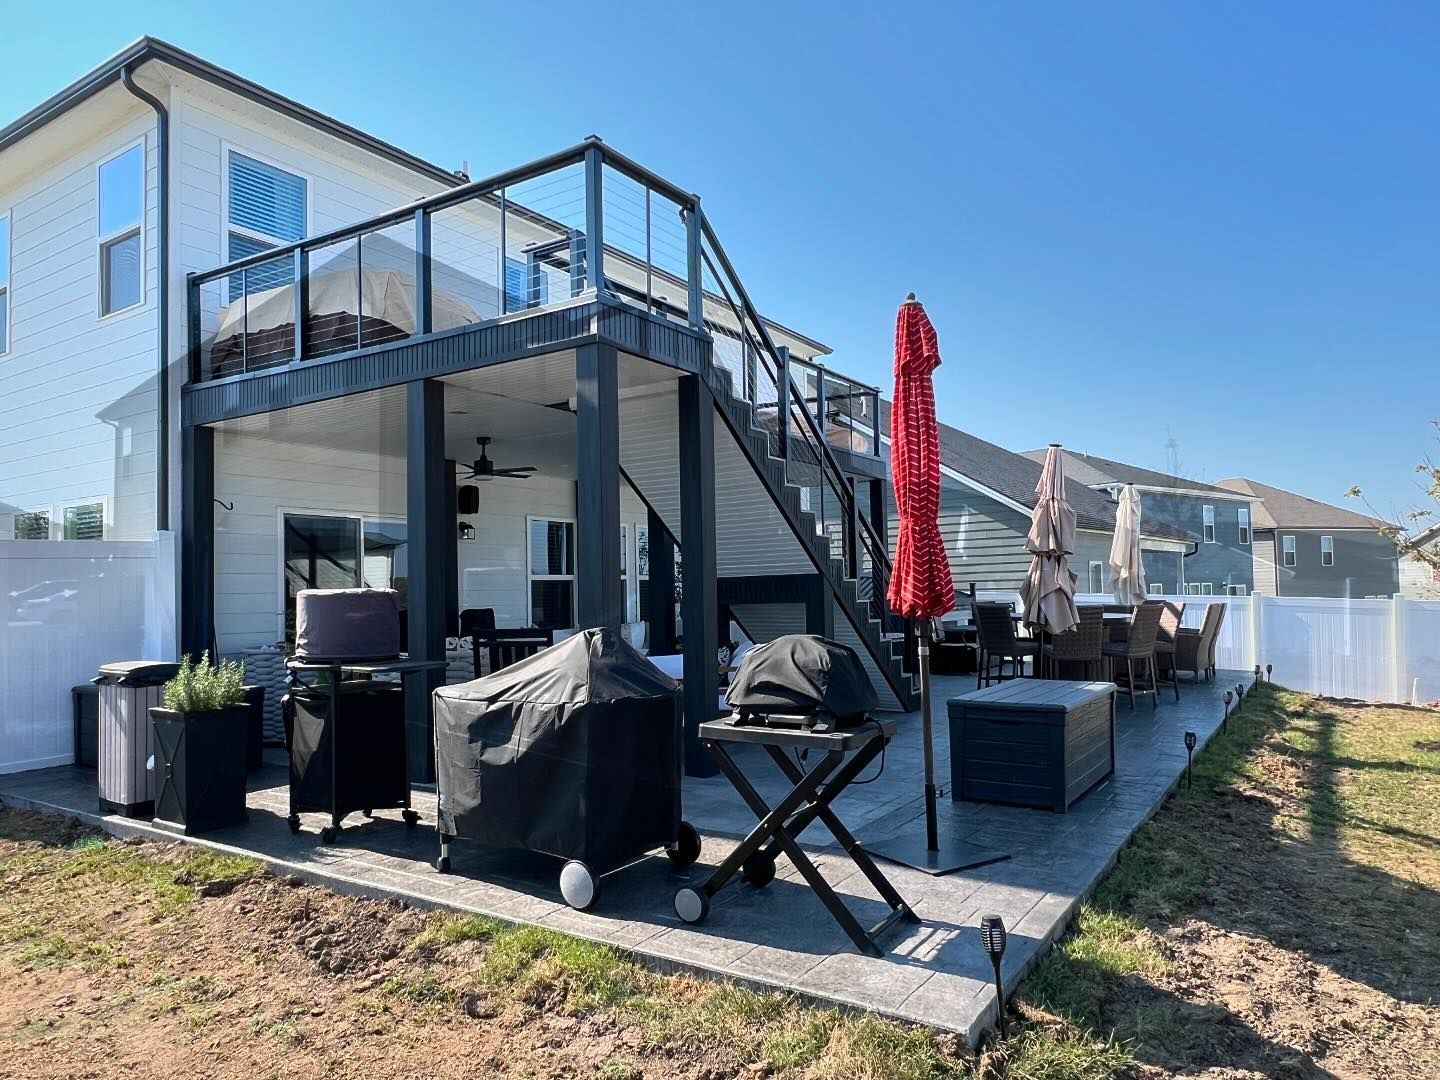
347, 739
811, 796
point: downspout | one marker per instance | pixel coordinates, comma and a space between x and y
162, 375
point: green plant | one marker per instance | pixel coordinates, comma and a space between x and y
200, 686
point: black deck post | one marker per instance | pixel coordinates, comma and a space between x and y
878, 513
426, 502
819, 611
197, 540
661, 587
698, 602
452, 549
599, 595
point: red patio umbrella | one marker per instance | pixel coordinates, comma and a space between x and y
921, 587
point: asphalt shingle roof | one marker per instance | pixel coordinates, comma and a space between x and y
1092, 470
1281, 509
1015, 477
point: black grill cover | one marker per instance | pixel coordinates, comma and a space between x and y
802, 674
573, 752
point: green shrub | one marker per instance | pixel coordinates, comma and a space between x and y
200, 686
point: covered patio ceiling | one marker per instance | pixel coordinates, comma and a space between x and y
524, 407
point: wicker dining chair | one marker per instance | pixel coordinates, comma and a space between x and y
1139, 647
1165, 637
1080, 645
1195, 649
996, 630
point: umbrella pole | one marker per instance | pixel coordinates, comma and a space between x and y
932, 819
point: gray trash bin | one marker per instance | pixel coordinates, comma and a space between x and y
128, 690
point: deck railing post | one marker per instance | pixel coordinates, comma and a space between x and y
782, 400
192, 320
875, 422
302, 299
504, 274
692, 265
852, 533
594, 218
423, 292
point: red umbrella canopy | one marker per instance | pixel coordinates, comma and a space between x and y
921, 586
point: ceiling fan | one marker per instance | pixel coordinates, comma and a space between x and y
484, 468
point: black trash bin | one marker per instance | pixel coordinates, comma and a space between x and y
575, 752
85, 713
126, 738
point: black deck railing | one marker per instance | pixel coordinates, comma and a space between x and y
541, 235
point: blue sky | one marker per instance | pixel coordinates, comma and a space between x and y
1202, 233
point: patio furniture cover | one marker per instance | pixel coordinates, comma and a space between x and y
1049, 587
347, 624
1127, 566
573, 752
802, 674
920, 585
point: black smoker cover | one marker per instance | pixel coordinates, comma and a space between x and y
802, 674
347, 624
573, 752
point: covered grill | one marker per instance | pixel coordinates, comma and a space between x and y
574, 752
802, 680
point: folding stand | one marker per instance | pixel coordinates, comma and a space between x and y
779, 828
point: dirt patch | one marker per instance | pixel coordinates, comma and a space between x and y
125, 960
1314, 947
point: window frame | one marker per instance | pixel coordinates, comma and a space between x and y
1207, 523
1156, 588
1327, 550
1091, 582
104, 241
226, 228
1289, 555
57, 517
1243, 523
1236, 590
531, 576
7, 286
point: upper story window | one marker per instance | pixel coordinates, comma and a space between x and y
1097, 576
122, 231
4, 284
1327, 551
1287, 551
1208, 513
1244, 526
265, 207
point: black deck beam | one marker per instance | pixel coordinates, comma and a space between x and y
599, 591
699, 602
427, 501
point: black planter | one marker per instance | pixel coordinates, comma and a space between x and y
200, 764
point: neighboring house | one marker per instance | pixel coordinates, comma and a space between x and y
1419, 580
165, 227
987, 496
1220, 520
1304, 547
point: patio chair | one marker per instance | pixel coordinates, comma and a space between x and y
1139, 647
508, 646
1080, 646
1165, 635
1194, 649
996, 630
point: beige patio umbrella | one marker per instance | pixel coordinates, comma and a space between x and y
1127, 566
1049, 588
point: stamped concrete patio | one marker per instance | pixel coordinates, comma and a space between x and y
779, 936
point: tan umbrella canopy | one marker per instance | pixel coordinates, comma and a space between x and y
1049, 588
1127, 567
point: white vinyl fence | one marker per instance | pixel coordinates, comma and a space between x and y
71, 605
1373, 650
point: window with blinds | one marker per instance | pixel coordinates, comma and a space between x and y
83, 522
122, 231
265, 208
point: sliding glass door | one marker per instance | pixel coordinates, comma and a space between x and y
341, 551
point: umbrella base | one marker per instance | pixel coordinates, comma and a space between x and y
949, 855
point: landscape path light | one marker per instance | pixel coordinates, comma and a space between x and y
992, 940
1189, 759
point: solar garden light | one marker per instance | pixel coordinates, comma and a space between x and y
1257, 674
1239, 696
1269, 668
1189, 759
1225, 723
992, 940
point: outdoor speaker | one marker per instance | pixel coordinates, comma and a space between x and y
467, 499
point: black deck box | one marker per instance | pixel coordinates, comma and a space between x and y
1032, 742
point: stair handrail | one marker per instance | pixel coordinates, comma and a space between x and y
814, 437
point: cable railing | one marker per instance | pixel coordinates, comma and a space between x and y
798, 432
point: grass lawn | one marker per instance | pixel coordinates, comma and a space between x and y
1281, 918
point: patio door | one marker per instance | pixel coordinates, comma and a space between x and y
341, 551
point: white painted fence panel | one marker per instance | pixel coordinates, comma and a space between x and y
1375, 650
71, 605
